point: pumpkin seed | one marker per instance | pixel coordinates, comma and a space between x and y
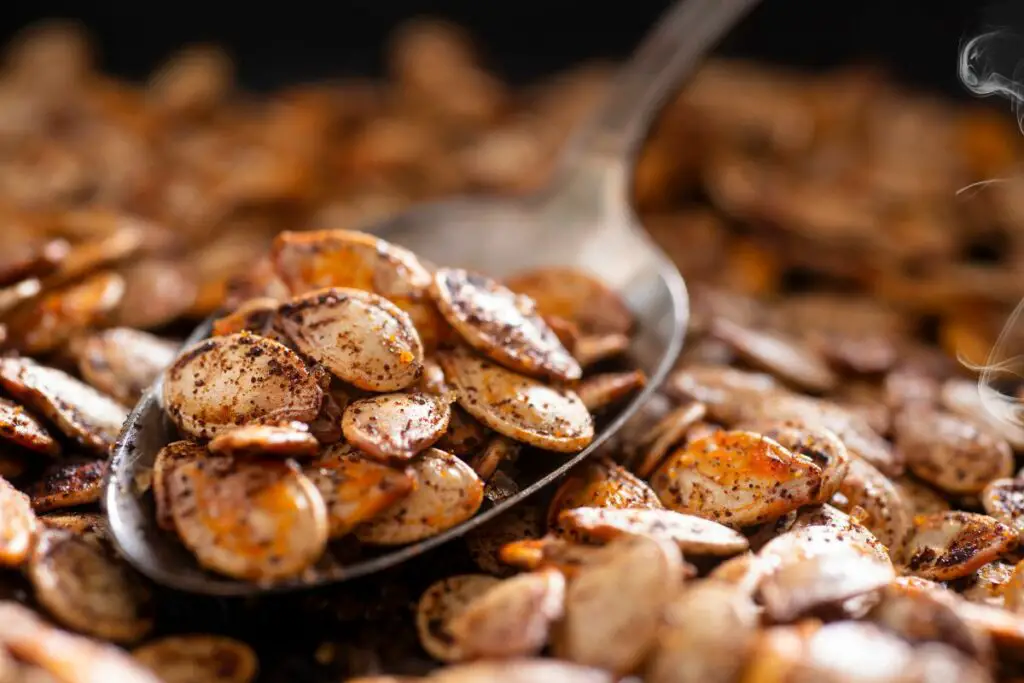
198, 659
360, 337
79, 411
226, 382
253, 520
501, 324
86, 588
396, 426
447, 493
442, 602
516, 406
354, 487
290, 440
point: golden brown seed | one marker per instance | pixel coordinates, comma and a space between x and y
576, 296
613, 606
123, 363
598, 392
860, 440
89, 590
396, 426
226, 382
709, 632
961, 396
601, 483
783, 357
18, 525
308, 261
82, 523
803, 584
817, 443
64, 656
360, 337
253, 520
20, 427
817, 530
550, 551
355, 487
157, 291
736, 478
887, 516
1004, 500
501, 324
42, 325
949, 545
723, 390
198, 659
512, 619
517, 406
253, 315
68, 484
289, 440
951, 453
439, 604
447, 493
79, 411
693, 535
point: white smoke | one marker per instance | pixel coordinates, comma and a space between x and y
980, 72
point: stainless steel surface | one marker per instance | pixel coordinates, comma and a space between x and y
582, 219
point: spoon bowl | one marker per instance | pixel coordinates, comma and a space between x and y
582, 219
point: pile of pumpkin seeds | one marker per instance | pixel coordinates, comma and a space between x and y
818, 495
313, 418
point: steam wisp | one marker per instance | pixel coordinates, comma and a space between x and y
979, 74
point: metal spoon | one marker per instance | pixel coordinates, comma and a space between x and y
582, 219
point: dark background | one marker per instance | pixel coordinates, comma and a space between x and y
280, 42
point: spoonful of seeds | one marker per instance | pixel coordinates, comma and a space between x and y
387, 391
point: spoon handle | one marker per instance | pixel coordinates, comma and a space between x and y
676, 45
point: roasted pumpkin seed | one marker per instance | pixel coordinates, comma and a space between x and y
289, 440
737, 478
511, 619
447, 493
576, 296
259, 521
517, 406
613, 606
693, 535
68, 484
951, 453
360, 337
226, 382
441, 603
949, 545
501, 324
123, 363
79, 411
198, 659
396, 426
86, 588
20, 427
354, 487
